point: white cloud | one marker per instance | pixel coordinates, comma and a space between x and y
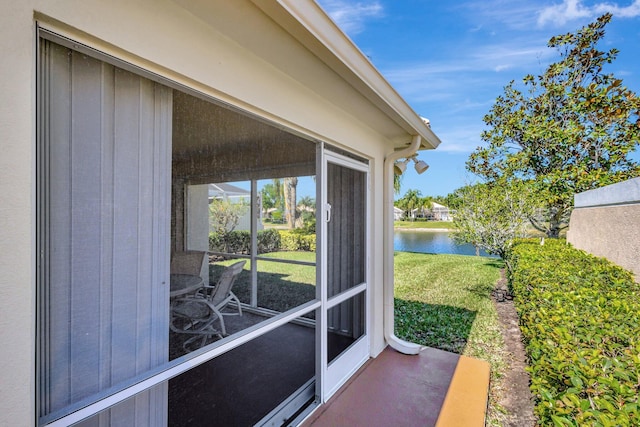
469, 66
571, 10
496, 15
350, 16
501, 67
463, 138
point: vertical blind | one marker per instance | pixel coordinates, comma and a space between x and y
104, 297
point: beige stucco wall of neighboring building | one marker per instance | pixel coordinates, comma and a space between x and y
203, 45
606, 223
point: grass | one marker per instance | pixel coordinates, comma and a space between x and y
433, 225
444, 301
281, 286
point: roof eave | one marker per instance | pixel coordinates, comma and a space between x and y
312, 27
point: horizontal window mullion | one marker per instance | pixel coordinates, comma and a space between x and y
286, 261
337, 299
263, 258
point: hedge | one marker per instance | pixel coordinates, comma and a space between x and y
270, 240
580, 319
296, 241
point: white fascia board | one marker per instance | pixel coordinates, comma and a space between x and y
313, 28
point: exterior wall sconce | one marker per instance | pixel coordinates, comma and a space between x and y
401, 165
420, 165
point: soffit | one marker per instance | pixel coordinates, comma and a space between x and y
321, 58
311, 26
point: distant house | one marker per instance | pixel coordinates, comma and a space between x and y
440, 212
398, 214
437, 212
118, 116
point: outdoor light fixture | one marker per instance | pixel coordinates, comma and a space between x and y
400, 166
420, 165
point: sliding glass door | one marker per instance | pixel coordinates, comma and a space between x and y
136, 176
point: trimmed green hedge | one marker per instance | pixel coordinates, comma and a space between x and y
580, 318
296, 241
270, 240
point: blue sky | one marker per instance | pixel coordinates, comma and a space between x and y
451, 59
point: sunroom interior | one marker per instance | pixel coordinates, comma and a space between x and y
212, 144
151, 151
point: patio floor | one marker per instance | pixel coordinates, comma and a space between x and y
434, 388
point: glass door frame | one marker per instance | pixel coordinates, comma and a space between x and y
333, 374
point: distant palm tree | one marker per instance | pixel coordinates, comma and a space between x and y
290, 185
411, 201
307, 202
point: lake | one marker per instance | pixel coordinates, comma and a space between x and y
431, 242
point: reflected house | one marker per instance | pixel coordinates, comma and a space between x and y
117, 129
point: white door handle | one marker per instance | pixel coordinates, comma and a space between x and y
328, 208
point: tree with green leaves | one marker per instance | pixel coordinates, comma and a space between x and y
272, 195
397, 183
491, 216
411, 200
425, 205
572, 129
225, 215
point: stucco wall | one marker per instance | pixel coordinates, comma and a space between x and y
17, 265
606, 222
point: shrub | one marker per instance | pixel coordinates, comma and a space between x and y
268, 241
580, 320
297, 241
271, 240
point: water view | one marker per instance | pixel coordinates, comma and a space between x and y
431, 242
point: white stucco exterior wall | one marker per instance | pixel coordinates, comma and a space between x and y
17, 225
162, 37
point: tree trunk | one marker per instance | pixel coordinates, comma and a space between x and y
290, 196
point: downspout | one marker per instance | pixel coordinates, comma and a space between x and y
389, 316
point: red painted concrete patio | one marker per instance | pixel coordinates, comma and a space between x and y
434, 388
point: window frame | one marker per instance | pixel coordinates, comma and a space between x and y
105, 399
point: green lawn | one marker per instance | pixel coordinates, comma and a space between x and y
436, 225
280, 286
444, 301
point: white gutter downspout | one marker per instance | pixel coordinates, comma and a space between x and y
389, 316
